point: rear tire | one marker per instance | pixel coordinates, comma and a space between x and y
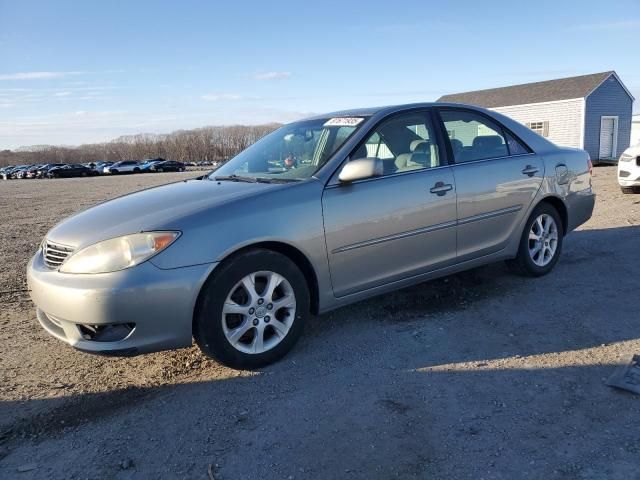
627, 190
540, 244
244, 327
136, 170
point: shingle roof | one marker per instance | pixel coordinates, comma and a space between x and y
548, 91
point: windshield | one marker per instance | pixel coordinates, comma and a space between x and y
293, 152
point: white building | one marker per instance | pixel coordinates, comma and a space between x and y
592, 112
635, 129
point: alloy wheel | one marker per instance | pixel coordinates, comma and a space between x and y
543, 240
258, 312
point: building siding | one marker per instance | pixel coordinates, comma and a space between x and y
635, 130
565, 119
609, 99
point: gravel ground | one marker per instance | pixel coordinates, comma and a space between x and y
478, 375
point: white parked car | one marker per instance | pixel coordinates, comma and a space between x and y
127, 166
629, 170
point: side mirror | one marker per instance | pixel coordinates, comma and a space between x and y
361, 169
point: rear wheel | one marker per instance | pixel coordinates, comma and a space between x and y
630, 189
252, 310
540, 244
136, 170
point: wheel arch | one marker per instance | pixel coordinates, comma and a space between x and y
289, 251
561, 208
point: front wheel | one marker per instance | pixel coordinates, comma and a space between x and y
252, 310
630, 189
540, 244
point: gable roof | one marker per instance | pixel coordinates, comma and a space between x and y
538, 92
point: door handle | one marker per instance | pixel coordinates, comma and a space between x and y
530, 170
441, 188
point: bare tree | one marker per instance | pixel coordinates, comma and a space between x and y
198, 145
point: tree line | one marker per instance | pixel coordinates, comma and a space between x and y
213, 144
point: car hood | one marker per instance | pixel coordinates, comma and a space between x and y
168, 207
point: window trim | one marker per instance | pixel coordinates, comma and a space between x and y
504, 129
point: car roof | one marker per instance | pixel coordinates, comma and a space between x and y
367, 112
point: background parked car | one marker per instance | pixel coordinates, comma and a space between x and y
629, 170
126, 166
100, 166
12, 173
21, 172
44, 169
165, 166
5, 171
146, 166
71, 171
32, 172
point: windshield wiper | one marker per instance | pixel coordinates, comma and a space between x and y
276, 180
236, 178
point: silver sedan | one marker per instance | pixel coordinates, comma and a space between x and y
318, 214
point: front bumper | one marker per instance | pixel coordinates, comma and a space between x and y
629, 174
155, 305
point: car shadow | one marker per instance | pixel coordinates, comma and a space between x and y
479, 374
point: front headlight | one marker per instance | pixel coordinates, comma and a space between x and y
118, 253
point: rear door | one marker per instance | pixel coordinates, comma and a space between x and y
401, 224
497, 178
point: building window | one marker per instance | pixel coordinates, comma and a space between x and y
541, 128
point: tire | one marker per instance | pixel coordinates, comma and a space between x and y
159, 170
114, 172
535, 265
627, 190
225, 287
136, 170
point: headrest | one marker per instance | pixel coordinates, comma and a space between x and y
419, 146
456, 144
487, 141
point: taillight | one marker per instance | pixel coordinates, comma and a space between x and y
590, 166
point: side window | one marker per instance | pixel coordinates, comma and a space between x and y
473, 137
403, 143
515, 146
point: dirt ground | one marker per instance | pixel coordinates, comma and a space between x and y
483, 375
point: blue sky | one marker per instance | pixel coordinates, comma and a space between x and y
86, 71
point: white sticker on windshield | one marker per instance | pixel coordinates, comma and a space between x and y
343, 122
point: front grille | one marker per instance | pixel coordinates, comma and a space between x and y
55, 254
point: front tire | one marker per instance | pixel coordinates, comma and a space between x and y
540, 244
252, 310
627, 190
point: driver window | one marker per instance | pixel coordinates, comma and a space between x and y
404, 143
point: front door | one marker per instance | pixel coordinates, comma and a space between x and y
497, 178
401, 224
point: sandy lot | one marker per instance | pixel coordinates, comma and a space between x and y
479, 375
